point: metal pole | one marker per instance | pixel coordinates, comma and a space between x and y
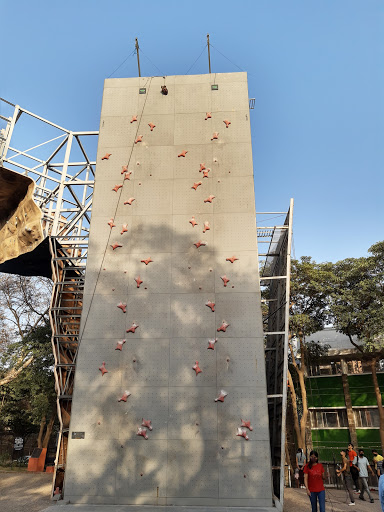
209, 54
137, 53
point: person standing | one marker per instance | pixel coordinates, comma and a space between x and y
363, 465
352, 456
378, 460
314, 481
300, 463
345, 470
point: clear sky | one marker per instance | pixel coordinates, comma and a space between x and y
315, 69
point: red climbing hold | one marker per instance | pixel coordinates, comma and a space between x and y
202, 167
215, 136
132, 328
183, 153
146, 423
127, 175
123, 307
246, 424
120, 344
115, 246
227, 123
142, 432
210, 305
206, 226
116, 187
130, 201
148, 260
124, 168
152, 126
139, 139
106, 156
211, 344
134, 118
208, 115
57, 491
225, 280
205, 173
209, 199
195, 185
232, 259
103, 369
138, 281
200, 243
193, 222
196, 368
221, 397
241, 432
126, 394
223, 327
124, 229
111, 224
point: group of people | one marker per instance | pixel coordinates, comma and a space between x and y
353, 469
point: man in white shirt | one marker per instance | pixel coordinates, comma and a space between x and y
363, 465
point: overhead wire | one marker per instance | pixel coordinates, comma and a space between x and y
197, 59
153, 64
124, 61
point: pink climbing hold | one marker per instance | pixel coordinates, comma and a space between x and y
223, 327
116, 187
103, 369
241, 432
147, 261
205, 173
138, 281
210, 305
127, 175
193, 222
197, 368
206, 226
146, 423
132, 328
225, 280
202, 167
139, 139
232, 259
183, 154
246, 424
209, 199
227, 123
200, 243
134, 118
130, 201
124, 168
120, 344
126, 394
111, 224
116, 246
221, 397
122, 306
208, 115
124, 229
106, 156
142, 432
211, 344
195, 185
215, 136
152, 126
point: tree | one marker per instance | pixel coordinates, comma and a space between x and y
357, 306
310, 288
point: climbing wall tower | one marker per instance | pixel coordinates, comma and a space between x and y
170, 404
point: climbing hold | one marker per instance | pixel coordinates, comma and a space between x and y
132, 328
106, 156
146, 423
138, 281
211, 344
115, 246
183, 153
202, 167
134, 118
225, 280
208, 115
232, 259
120, 344
227, 123
199, 243
221, 397
152, 126
139, 139
206, 226
246, 424
116, 187
124, 168
127, 175
223, 327
148, 260
111, 224
210, 305
241, 432
215, 136
209, 199
193, 222
122, 306
195, 185
126, 394
130, 201
103, 369
124, 229
142, 432
205, 173
197, 368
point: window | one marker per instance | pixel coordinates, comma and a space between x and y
335, 418
366, 417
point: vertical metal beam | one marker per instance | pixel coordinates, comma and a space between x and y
209, 54
137, 53
63, 176
9, 133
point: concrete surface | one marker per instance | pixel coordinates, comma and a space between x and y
25, 491
193, 456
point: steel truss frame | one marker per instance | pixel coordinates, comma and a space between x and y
275, 273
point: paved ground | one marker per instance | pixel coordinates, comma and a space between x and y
31, 491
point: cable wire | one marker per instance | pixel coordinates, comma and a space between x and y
197, 59
124, 61
222, 54
153, 64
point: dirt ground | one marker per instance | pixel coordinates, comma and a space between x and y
31, 491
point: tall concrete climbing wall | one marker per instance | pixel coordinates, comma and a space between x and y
170, 400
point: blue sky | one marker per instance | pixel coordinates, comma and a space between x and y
315, 69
